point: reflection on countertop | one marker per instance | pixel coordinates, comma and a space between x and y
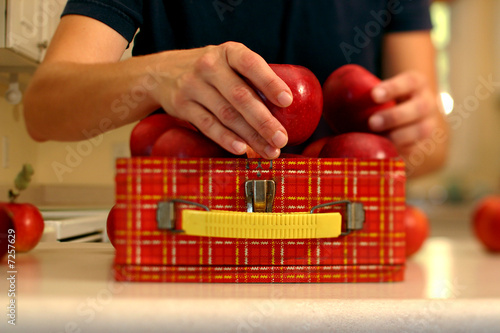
450, 285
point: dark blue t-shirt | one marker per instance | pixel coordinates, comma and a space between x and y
321, 35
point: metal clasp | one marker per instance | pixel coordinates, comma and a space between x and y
260, 195
354, 214
165, 213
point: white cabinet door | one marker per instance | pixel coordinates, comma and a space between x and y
31, 24
52, 9
25, 27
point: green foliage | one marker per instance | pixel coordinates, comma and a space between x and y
24, 177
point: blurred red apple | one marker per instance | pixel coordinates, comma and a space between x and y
28, 224
111, 225
359, 145
486, 222
148, 130
6, 224
26, 218
348, 103
313, 149
183, 142
416, 229
301, 118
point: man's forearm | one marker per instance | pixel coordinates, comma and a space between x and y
69, 102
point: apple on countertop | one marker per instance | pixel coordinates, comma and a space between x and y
6, 231
417, 229
486, 222
25, 218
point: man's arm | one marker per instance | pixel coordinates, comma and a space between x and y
74, 88
82, 87
409, 66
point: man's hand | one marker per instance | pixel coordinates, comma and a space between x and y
417, 121
207, 87
416, 113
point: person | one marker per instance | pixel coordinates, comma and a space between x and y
193, 60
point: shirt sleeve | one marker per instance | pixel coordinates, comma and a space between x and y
124, 16
409, 15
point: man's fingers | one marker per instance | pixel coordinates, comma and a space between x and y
245, 100
400, 85
403, 114
230, 118
413, 133
209, 125
254, 67
215, 91
417, 107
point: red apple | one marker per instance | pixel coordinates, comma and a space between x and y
251, 153
348, 103
183, 142
26, 218
28, 224
111, 225
313, 149
6, 224
148, 130
486, 222
359, 145
416, 229
301, 118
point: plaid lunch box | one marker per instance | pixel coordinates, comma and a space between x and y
249, 220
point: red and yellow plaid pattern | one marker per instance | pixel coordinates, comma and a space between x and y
374, 254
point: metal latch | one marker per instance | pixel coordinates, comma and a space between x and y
165, 213
260, 195
354, 214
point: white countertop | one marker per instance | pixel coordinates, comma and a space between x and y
451, 285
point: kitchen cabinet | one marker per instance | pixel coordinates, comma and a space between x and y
25, 31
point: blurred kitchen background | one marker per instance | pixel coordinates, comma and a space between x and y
81, 174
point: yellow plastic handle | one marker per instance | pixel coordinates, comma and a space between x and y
261, 225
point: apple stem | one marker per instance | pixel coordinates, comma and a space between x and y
21, 182
13, 195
